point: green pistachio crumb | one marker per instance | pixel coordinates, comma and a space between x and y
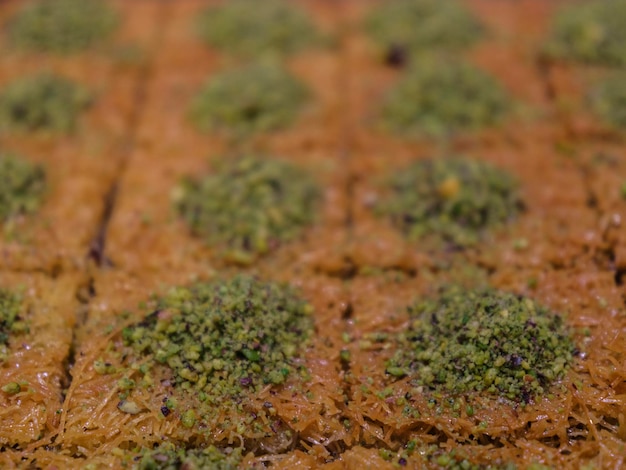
168, 457
130, 407
258, 97
385, 454
126, 384
593, 32
278, 27
344, 355
12, 388
22, 185
520, 244
102, 367
11, 323
396, 371
61, 26
236, 335
485, 340
249, 206
188, 418
608, 100
622, 190
418, 25
42, 102
454, 199
437, 98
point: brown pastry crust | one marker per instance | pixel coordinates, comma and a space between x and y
37, 359
80, 166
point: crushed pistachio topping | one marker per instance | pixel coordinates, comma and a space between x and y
259, 97
592, 32
608, 100
423, 25
240, 27
456, 459
440, 97
42, 102
11, 323
21, 186
168, 457
454, 199
249, 205
61, 26
432, 456
224, 338
484, 340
